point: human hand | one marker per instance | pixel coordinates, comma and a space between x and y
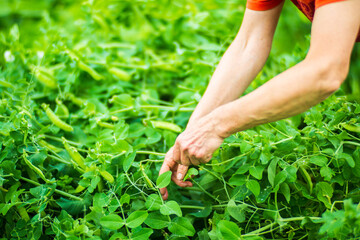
192, 147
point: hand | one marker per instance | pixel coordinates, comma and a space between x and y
176, 168
192, 147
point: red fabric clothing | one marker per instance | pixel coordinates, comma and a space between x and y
308, 7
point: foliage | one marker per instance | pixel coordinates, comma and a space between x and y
94, 93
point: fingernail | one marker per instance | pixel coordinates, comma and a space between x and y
179, 176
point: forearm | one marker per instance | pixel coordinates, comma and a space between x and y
288, 94
237, 68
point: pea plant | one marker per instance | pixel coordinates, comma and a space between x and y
94, 93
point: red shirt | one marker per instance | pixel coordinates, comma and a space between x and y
308, 7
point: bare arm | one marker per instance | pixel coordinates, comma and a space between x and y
238, 67
241, 62
334, 31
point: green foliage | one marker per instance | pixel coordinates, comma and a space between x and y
121, 79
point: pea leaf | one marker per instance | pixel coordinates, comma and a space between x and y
272, 171
254, 187
136, 219
237, 212
229, 230
181, 226
319, 160
171, 207
112, 221
128, 161
256, 172
153, 202
156, 220
164, 179
143, 234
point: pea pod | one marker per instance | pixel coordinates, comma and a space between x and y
61, 109
34, 168
6, 84
105, 125
74, 154
119, 73
56, 120
307, 177
107, 176
146, 177
78, 101
49, 146
23, 213
93, 73
45, 78
351, 128
166, 125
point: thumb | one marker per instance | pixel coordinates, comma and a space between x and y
181, 171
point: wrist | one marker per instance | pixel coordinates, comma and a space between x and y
219, 123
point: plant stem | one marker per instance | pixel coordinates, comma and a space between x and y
150, 153
65, 194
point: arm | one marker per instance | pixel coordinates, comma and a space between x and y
241, 62
334, 31
239, 66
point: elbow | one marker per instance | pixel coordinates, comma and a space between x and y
330, 74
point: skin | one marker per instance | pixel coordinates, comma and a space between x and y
221, 113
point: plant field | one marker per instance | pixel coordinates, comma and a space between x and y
93, 94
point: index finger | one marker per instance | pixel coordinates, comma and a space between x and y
168, 165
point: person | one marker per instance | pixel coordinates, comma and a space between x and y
220, 113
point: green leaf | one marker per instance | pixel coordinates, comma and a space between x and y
191, 172
229, 230
327, 173
143, 234
285, 190
153, 202
280, 178
164, 179
237, 212
181, 226
136, 219
348, 159
112, 221
156, 220
256, 172
272, 171
125, 198
254, 187
171, 207
128, 161
237, 180
319, 160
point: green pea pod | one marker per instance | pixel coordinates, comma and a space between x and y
6, 84
45, 78
166, 125
119, 73
34, 168
78, 101
61, 109
74, 154
23, 213
146, 177
351, 128
94, 74
105, 125
307, 177
56, 120
49, 146
107, 176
